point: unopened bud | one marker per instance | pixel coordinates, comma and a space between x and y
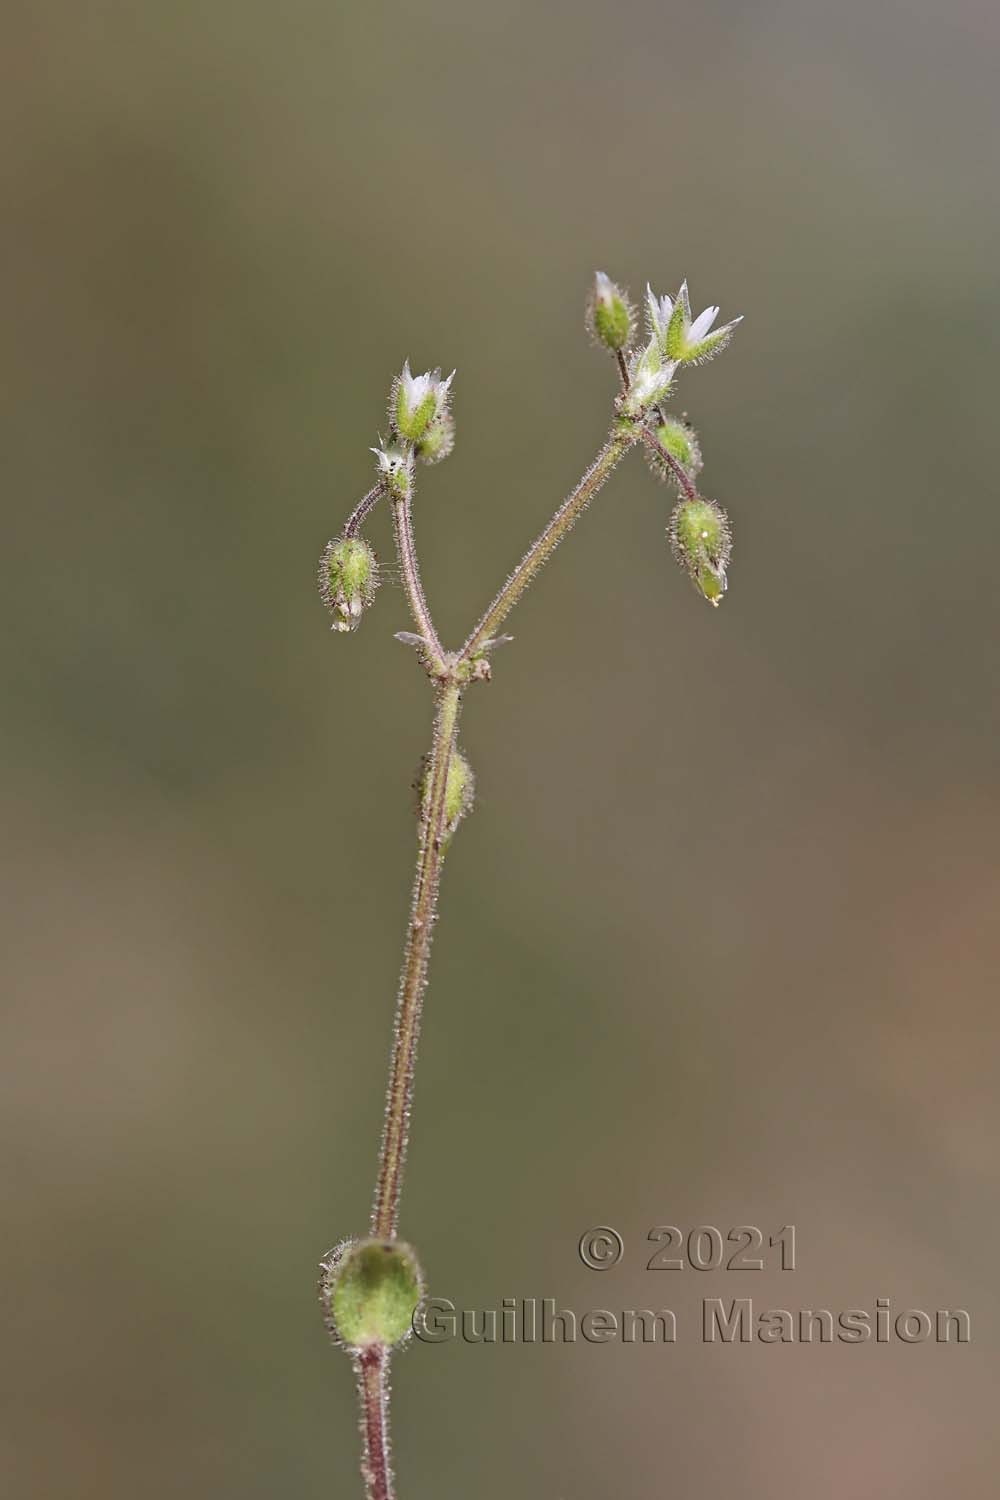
416, 400
370, 1290
348, 578
459, 793
609, 314
681, 442
438, 439
702, 544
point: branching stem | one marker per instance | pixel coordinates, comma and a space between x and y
450, 672
363, 509
545, 544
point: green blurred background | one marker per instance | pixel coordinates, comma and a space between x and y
719, 944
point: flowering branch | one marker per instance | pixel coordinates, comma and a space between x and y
371, 1288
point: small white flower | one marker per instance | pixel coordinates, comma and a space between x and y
681, 338
417, 399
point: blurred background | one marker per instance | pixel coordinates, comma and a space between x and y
719, 943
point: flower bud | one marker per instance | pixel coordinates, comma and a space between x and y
681, 442
438, 439
348, 578
370, 1290
609, 314
459, 794
701, 541
416, 400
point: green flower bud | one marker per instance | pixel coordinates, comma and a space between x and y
416, 400
370, 1290
438, 439
459, 793
610, 317
701, 541
348, 578
681, 442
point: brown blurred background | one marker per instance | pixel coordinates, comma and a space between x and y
719, 943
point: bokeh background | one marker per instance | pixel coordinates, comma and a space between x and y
719, 944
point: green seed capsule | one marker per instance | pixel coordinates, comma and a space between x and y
348, 578
702, 545
370, 1290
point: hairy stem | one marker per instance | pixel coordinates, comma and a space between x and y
392, 1157
402, 519
676, 468
363, 509
543, 547
372, 1367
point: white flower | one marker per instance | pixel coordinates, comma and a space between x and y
416, 400
686, 340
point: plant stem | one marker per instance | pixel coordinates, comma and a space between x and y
543, 547
372, 1367
622, 369
392, 1157
363, 509
402, 520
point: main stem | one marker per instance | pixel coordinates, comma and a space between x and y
372, 1368
392, 1157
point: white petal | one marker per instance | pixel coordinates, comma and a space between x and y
702, 324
